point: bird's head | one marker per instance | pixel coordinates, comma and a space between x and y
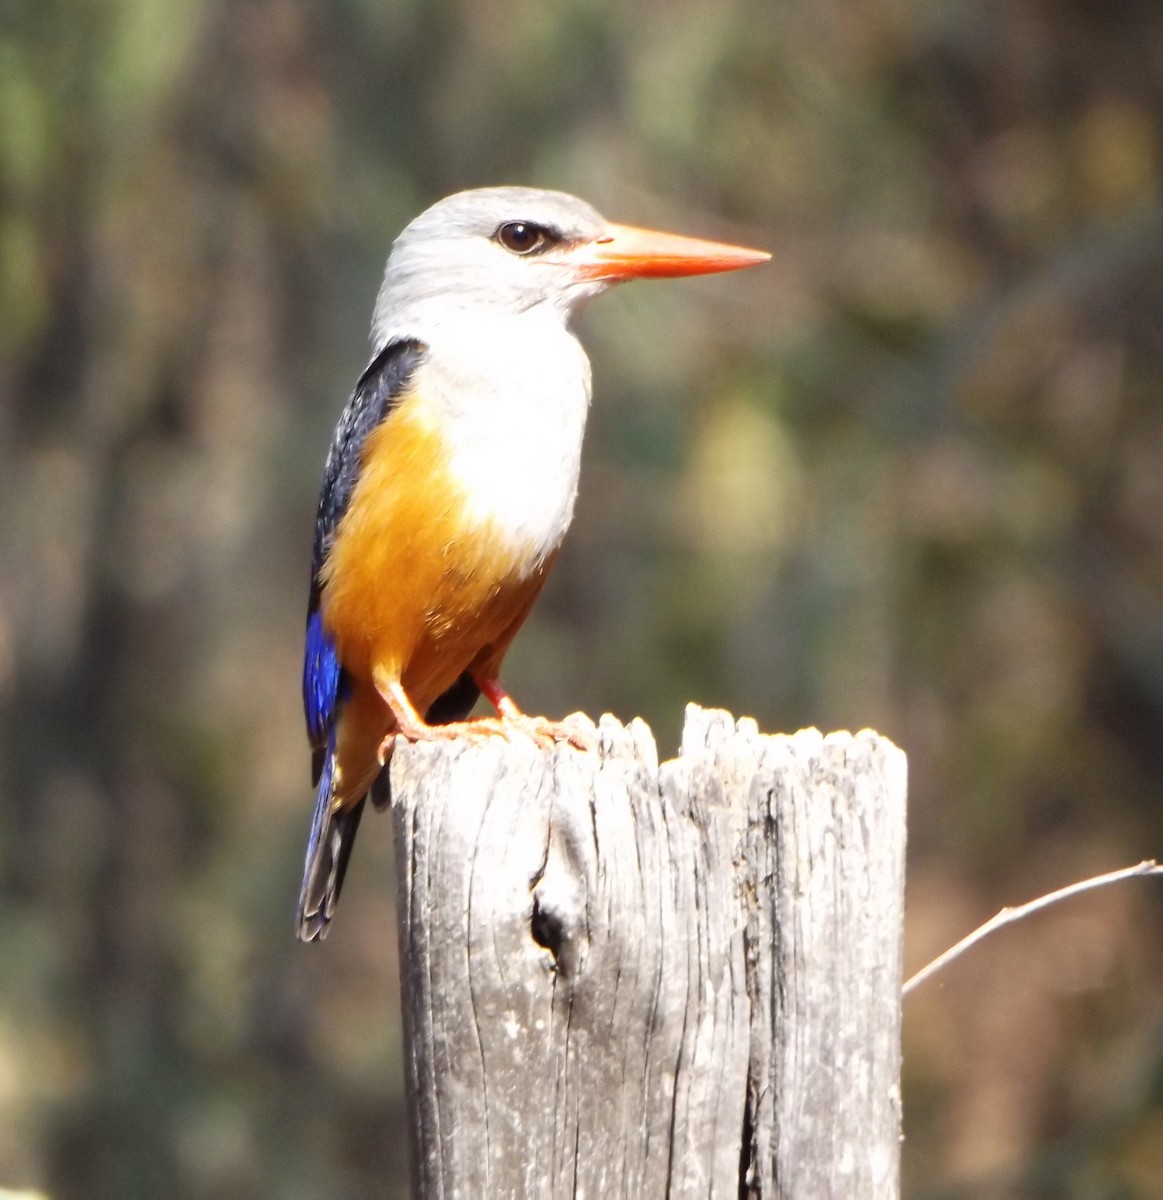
507, 250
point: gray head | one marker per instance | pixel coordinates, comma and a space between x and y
505, 251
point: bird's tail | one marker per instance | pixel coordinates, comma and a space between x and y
328, 849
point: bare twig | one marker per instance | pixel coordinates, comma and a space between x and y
1008, 916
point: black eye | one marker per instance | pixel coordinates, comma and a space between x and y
523, 237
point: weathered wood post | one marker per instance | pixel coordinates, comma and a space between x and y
627, 980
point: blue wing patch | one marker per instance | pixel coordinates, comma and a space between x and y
321, 676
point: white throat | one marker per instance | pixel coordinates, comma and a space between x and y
511, 394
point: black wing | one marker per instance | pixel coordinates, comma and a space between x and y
378, 390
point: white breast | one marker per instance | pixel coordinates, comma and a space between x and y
512, 394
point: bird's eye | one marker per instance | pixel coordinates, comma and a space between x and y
523, 237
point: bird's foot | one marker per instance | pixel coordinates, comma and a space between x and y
547, 733
479, 730
510, 720
544, 732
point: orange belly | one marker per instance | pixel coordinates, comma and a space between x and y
413, 590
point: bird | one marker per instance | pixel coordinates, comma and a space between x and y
449, 486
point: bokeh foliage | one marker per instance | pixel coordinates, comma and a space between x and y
908, 476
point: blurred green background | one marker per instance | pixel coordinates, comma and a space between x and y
910, 476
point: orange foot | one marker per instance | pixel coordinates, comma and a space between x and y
510, 720
479, 730
541, 729
544, 732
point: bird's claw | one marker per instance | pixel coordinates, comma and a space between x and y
471, 731
386, 748
547, 733
544, 732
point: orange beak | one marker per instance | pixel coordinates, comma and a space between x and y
626, 252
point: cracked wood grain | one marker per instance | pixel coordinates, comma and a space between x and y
622, 979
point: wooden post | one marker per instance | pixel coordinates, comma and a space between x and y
627, 980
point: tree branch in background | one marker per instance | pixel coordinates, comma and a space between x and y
1008, 916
